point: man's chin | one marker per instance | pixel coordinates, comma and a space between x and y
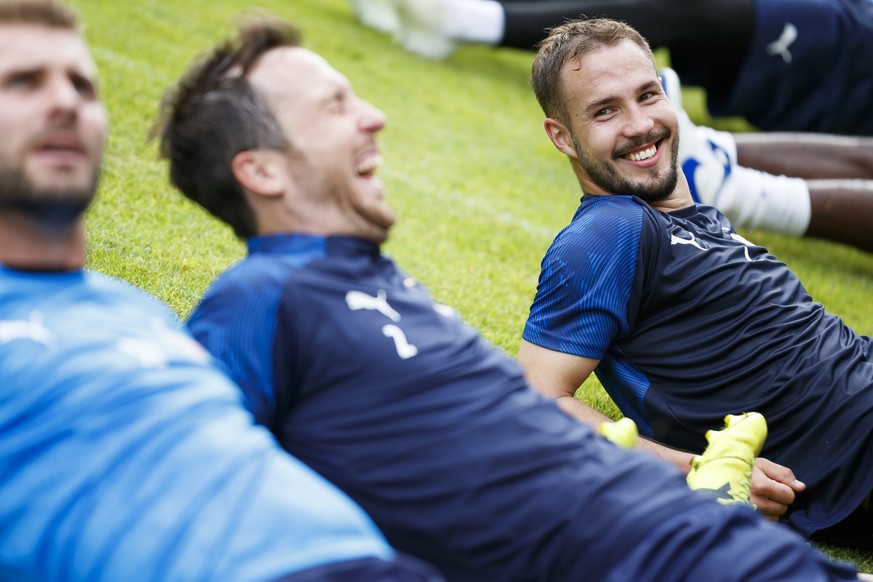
52, 214
52, 205
655, 190
379, 215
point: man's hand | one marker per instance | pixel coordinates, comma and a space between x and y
773, 488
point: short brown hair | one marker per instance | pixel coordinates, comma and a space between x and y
43, 12
213, 113
568, 41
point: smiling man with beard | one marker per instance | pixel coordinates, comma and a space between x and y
681, 318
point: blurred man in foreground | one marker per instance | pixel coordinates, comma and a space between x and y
124, 454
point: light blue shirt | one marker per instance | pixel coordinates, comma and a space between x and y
124, 453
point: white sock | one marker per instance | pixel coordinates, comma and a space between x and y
478, 21
757, 200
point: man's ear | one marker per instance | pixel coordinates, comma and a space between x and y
560, 137
260, 171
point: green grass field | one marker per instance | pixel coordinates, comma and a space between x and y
479, 188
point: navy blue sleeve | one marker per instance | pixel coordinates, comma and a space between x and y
581, 304
236, 322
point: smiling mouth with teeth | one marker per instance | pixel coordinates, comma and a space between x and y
368, 167
643, 155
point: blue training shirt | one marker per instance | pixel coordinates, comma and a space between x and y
126, 455
691, 322
437, 435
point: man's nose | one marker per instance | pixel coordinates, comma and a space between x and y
62, 95
638, 121
372, 118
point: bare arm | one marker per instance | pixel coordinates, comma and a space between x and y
559, 375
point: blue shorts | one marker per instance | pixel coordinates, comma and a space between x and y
809, 68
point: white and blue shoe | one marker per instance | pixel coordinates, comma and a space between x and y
706, 156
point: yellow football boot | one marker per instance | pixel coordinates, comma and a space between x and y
622, 432
724, 470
